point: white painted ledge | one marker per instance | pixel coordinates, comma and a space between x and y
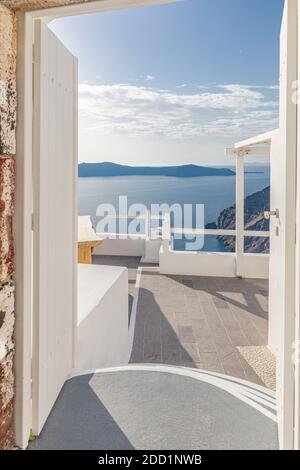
102, 336
187, 263
184, 263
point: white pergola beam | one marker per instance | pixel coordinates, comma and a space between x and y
262, 151
261, 139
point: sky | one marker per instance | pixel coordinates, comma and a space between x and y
177, 83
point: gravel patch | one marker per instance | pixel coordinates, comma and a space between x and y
262, 361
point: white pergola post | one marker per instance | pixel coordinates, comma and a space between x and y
240, 197
256, 146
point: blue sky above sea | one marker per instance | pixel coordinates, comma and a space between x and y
177, 83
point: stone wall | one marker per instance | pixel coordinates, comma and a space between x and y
8, 31
7, 184
27, 5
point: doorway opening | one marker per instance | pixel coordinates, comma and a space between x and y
165, 294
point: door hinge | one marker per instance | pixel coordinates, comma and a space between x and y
32, 222
33, 53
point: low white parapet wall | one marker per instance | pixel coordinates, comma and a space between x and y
136, 245
152, 249
212, 264
102, 326
121, 247
192, 263
255, 266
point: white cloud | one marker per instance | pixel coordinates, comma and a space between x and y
228, 111
149, 78
183, 85
249, 87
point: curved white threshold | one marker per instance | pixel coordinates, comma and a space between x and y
269, 394
249, 393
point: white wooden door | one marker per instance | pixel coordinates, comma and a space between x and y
297, 320
283, 228
54, 221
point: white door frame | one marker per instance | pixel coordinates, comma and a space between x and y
297, 280
23, 213
288, 149
24, 184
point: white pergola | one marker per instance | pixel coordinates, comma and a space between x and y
259, 146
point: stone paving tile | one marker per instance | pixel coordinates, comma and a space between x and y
247, 324
186, 334
138, 344
172, 356
169, 323
221, 338
204, 340
169, 339
189, 352
199, 322
210, 361
152, 344
220, 304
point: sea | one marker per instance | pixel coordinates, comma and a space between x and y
214, 192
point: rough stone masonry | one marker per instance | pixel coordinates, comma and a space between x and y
8, 109
7, 185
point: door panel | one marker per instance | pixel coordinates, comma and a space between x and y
283, 229
54, 201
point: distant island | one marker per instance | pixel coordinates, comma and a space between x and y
90, 170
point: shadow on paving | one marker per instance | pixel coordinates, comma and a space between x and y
80, 421
200, 322
156, 339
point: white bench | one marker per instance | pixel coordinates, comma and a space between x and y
102, 336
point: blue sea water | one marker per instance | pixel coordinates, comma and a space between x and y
214, 192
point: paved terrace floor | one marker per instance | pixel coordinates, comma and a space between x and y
215, 324
198, 322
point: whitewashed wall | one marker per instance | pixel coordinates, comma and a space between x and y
102, 337
139, 245
212, 264
118, 247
